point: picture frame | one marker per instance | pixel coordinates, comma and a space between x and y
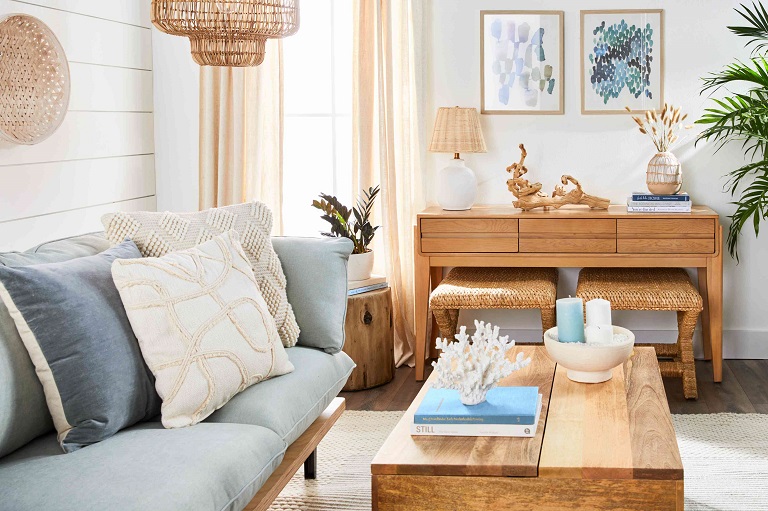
637, 86
521, 71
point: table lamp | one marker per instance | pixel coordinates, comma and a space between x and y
457, 130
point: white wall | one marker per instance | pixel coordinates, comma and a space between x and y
177, 119
606, 153
102, 157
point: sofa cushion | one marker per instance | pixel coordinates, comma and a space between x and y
157, 234
289, 404
24, 414
203, 326
316, 269
207, 467
72, 322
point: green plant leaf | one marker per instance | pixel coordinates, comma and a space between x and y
757, 28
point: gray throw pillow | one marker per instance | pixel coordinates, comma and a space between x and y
73, 324
316, 270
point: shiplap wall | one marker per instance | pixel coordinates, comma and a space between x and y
101, 159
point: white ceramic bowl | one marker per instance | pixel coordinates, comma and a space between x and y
589, 363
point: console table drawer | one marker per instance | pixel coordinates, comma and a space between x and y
666, 246
459, 225
468, 244
573, 227
567, 245
632, 227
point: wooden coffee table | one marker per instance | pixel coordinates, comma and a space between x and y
603, 446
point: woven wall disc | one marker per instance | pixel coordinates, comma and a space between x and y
34, 80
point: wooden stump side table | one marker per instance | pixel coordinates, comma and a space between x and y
370, 339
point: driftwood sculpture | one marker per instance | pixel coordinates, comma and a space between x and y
529, 196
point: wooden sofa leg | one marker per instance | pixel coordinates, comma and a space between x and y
310, 466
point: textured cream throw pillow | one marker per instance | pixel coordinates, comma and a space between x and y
157, 234
203, 326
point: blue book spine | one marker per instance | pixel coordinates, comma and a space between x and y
503, 406
664, 198
526, 420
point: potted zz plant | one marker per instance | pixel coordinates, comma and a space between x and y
357, 229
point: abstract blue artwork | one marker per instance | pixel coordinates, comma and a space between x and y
522, 62
621, 60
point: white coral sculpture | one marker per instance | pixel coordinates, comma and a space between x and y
473, 368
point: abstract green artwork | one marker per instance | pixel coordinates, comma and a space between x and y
621, 60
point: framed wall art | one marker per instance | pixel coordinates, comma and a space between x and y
622, 61
521, 62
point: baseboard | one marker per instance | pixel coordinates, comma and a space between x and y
737, 344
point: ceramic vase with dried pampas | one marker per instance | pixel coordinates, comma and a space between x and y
665, 174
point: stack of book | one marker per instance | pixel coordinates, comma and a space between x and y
356, 287
507, 411
648, 203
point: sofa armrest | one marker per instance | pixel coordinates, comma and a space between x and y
316, 271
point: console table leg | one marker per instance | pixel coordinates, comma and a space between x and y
435, 276
310, 466
421, 284
715, 299
706, 334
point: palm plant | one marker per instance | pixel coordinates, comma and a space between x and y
359, 229
743, 117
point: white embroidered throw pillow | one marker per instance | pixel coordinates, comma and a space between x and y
157, 234
203, 327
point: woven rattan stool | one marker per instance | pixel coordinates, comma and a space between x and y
655, 289
494, 288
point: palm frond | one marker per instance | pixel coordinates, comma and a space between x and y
741, 117
735, 177
751, 206
757, 28
755, 71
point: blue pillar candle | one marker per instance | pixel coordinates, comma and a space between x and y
570, 320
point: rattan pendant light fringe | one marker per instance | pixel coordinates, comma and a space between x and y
230, 33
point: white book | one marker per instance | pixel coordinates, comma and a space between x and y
680, 207
635, 209
510, 430
658, 204
375, 279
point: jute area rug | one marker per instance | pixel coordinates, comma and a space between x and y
725, 458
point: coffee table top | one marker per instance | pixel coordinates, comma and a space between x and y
620, 429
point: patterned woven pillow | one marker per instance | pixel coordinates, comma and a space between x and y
202, 325
157, 234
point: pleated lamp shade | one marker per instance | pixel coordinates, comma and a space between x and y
230, 33
457, 130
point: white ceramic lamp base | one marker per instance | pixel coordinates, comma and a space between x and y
456, 187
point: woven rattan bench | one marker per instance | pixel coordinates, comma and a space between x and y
662, 289
494, 288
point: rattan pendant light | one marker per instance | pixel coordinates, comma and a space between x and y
227, 32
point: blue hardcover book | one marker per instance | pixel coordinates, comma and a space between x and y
640, 196
503, 405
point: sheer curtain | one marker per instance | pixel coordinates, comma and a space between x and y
386, 141
241, 134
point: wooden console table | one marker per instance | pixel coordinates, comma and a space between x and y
575, 237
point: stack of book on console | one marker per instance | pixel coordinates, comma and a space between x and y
649, 203
507, 411
356, 287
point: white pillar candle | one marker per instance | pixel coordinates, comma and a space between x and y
599, 334
598, 312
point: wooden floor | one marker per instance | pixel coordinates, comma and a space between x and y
744, 390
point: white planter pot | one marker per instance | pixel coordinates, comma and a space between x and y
360, 266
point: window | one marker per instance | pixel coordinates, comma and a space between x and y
317, 145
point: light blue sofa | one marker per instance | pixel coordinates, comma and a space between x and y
219, 464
